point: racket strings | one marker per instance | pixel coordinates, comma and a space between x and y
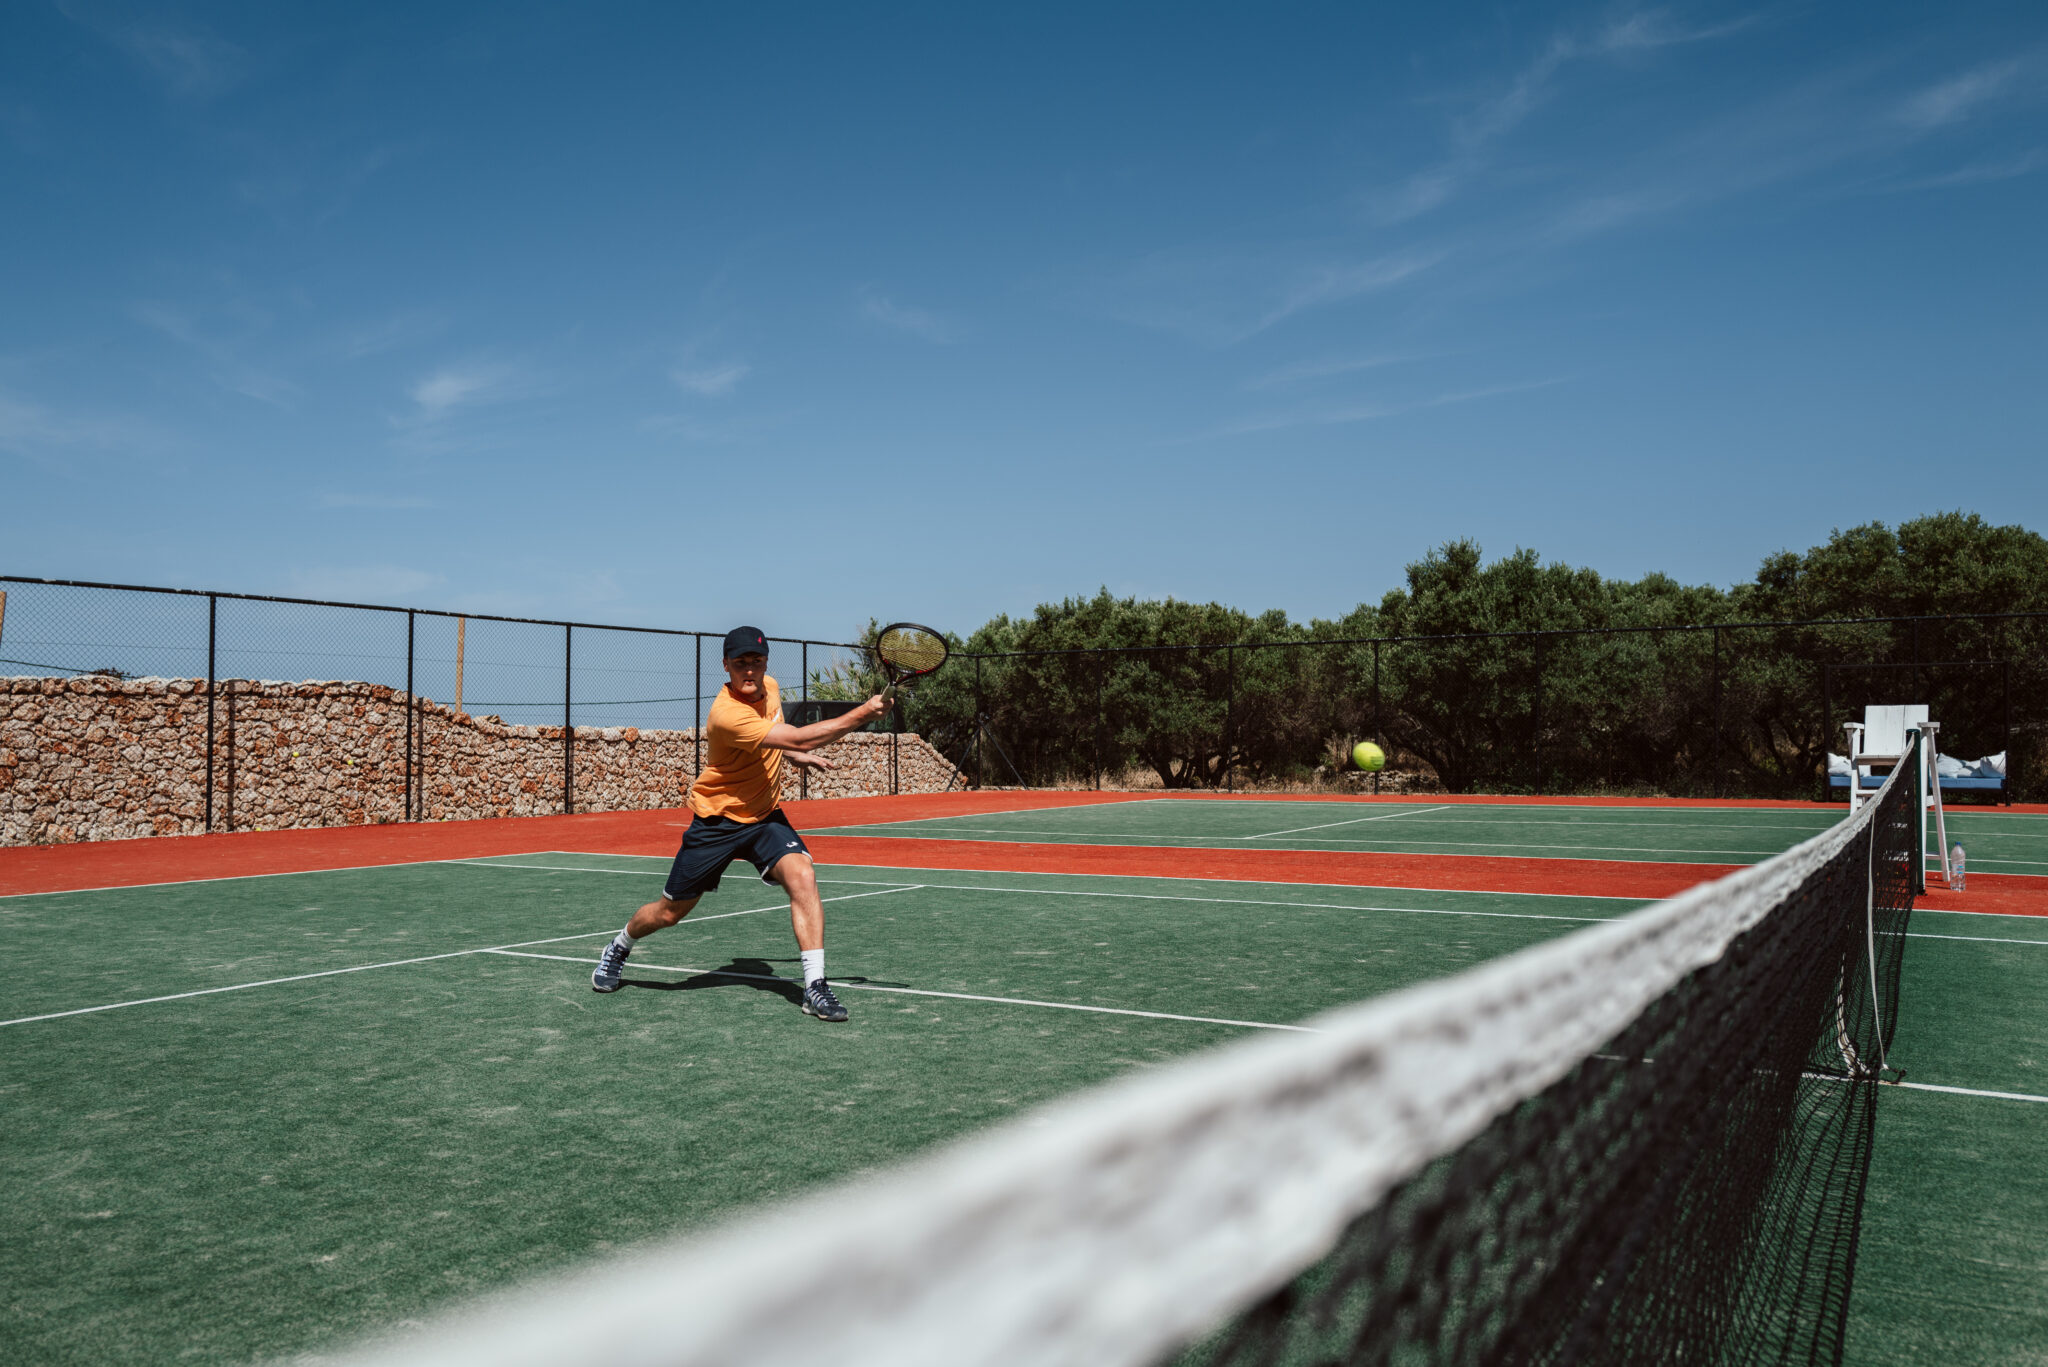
910, 651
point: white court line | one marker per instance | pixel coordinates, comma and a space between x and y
298, 978
1382, 816
238, 877
927, 992
1181, 843
1183, 878
1245, 901
1980, 939
1133, 877
1972, 1091
423, 959
1126, 896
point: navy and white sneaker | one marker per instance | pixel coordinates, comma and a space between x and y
819, 1002
609, 964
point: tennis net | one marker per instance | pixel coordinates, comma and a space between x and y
1647, 1141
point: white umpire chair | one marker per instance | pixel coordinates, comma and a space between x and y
1880, 741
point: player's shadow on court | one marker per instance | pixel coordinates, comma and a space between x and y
758, 974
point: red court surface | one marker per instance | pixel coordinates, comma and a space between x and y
179, 859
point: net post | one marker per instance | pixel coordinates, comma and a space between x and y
212, 621
411, 706
568, 729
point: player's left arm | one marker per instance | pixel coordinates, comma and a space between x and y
804, 761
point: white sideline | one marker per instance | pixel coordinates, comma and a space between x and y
1263, 902
931, 992
401, 963
1165, 843
1973, 1091
1134, 896
294, 978
1382, 816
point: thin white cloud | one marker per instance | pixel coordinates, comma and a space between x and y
1952, 100
1307, 372
392, 333
712, 382
1980, 173
381, 502
901, 317
1337, 415
1224, 299
34, 431
1528, 90
187, 63
462, 386
224, 363
362, 583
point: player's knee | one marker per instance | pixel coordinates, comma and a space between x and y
794, 872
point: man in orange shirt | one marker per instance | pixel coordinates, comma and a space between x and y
737, 814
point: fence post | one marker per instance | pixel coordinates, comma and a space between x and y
568, 727
2005, 681
1718, 765
411, 706
1100, 722
978, 723
1536, 717
1379, 729
699, 730
803, 776
212, 620
1827, 726
1229, 713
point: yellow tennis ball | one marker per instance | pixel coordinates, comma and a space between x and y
1368, 757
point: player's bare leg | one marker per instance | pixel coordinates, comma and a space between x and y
659, 914
806, 913
807, 921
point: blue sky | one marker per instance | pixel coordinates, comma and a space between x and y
682, 315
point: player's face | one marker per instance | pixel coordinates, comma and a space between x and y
746, 673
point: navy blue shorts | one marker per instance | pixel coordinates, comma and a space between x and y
712, 842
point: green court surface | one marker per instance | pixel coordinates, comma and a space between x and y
1997, 843
346, 1099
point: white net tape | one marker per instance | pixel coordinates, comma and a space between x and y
1113, 1227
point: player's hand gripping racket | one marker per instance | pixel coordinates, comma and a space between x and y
907, 651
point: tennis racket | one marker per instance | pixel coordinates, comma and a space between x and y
907, 651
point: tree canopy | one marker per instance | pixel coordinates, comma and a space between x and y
1518, 674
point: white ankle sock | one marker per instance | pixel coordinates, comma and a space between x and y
624, 940
814, 965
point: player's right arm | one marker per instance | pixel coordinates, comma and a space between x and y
802, 739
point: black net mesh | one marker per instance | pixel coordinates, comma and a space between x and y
1689, 1193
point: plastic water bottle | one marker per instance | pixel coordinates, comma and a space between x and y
1955, 867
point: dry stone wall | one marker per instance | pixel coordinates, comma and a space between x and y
100, 758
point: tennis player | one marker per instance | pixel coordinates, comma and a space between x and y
737, 813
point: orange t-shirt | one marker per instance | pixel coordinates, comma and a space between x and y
742, 778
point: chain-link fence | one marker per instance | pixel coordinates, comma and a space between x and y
128, 710
1737, 709
138, 710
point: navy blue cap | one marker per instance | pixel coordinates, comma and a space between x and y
745, 641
